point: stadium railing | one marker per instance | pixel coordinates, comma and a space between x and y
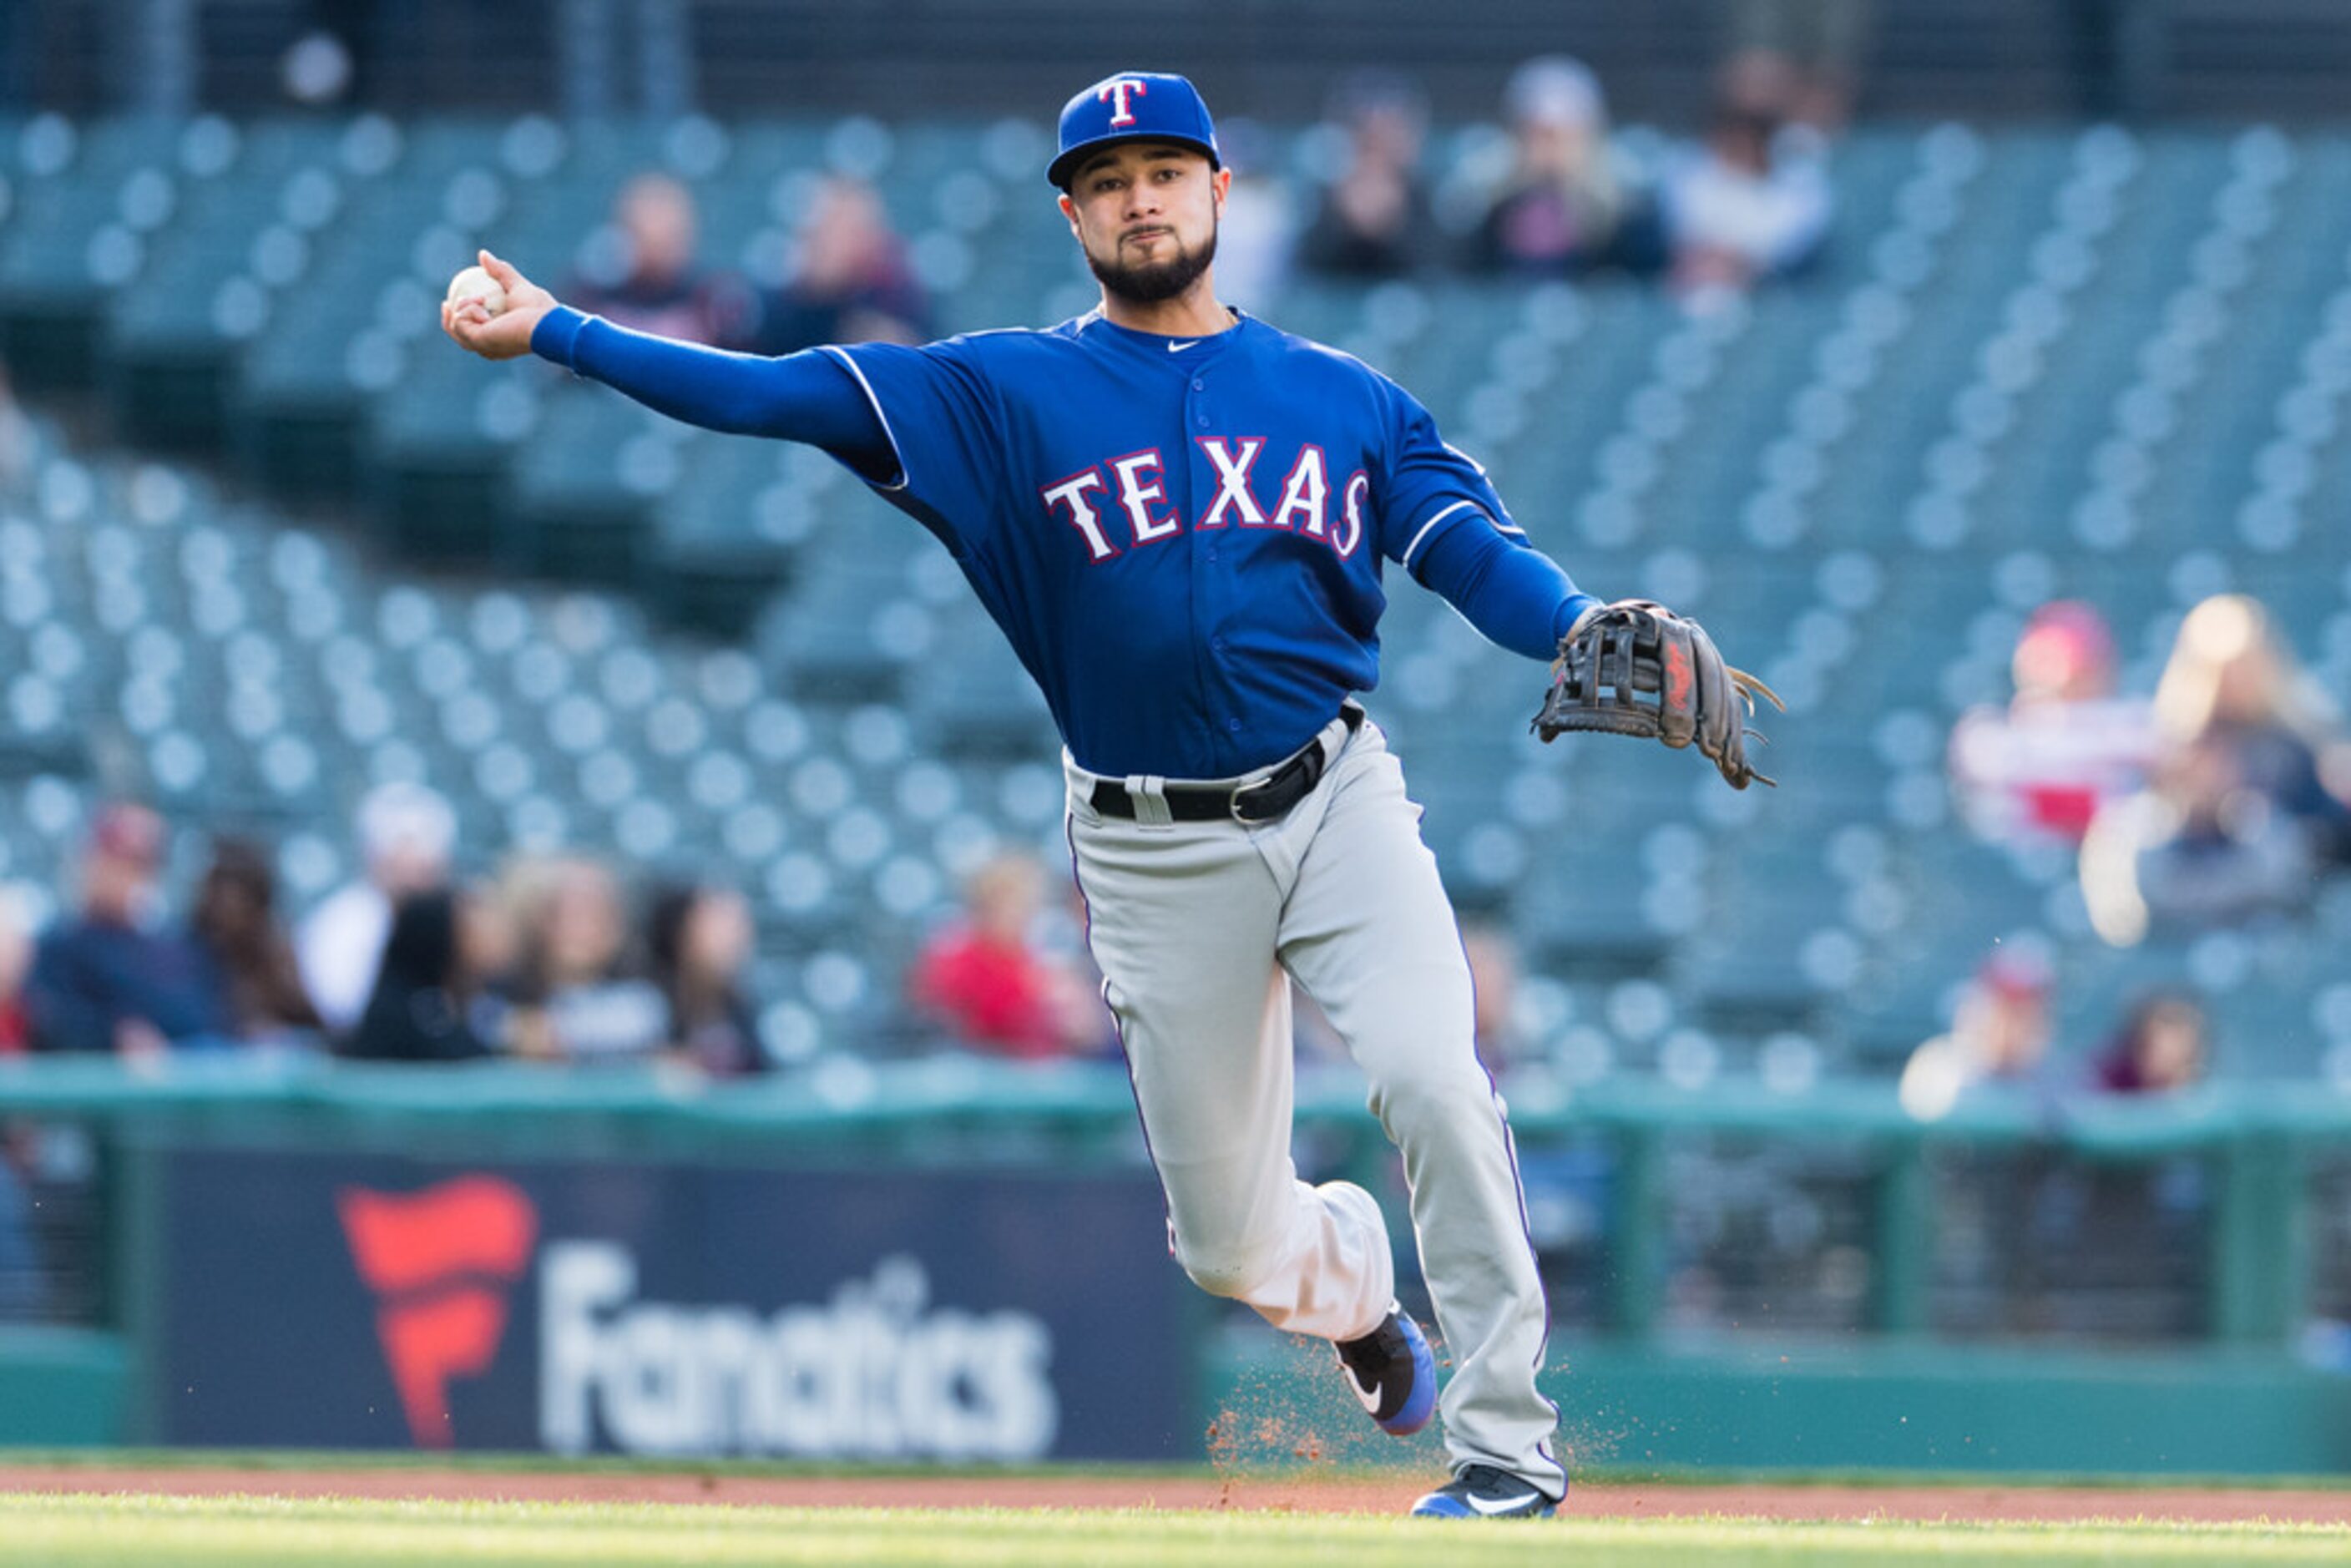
2263, 1150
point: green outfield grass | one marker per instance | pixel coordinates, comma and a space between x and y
261, 1533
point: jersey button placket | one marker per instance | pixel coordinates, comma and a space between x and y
1198, 405
1208, 588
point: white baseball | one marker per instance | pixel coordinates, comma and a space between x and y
475, 283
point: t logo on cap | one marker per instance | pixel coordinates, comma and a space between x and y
1121, 114
1133, 106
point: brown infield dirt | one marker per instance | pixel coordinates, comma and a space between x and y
1299, 1494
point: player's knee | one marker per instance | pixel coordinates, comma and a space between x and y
1432, 1089
1420, 1068
1229, 1271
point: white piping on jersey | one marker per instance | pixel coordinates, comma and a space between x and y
904, 477
1467, 458
1432, 522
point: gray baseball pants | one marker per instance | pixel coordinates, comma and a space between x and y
1197, 928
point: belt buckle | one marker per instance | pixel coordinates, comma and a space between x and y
1233, 803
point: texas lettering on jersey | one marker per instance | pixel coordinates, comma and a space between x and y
1123, 503
1184, 540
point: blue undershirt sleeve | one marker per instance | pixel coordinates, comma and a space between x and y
1511, 592
808, 397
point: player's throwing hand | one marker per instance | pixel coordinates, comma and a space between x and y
505, 335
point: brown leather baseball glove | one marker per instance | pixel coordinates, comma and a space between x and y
1635, 667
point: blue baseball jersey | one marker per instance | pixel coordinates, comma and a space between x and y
1182, 538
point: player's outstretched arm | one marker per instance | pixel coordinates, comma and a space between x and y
1514, 594
503, 333
800, 397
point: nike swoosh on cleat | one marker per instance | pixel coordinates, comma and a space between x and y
1491, 1505
1179, 348
1370, 1398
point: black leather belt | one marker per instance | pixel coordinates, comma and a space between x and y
1260, 800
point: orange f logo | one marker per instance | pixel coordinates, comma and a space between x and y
440, 1263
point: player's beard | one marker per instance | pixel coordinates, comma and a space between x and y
1153, 282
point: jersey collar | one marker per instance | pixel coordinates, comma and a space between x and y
1176, 351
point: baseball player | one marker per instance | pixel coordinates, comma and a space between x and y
1183, 519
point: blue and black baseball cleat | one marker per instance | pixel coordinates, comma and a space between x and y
1392, 1372
1481, 1491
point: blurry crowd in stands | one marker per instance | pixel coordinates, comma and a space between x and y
1562, 196
2222, 801
547, 962
407, 962
2001, 1038
847, 279
1557, 195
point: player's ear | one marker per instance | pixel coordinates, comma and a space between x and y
1069, 211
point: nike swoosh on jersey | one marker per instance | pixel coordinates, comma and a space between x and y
1503, 1504
1173, 348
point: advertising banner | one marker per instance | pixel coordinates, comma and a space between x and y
324, 1300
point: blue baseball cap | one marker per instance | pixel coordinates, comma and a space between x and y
1133, 106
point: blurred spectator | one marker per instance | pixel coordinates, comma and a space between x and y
639, 270
1817, 44
985, 981
2164, 1044
700, 939
432, 999
406, 835
2240, 816
105, 979
852, 282
2065, 745
2231, 678
21, 1293
235, 924
16, 964
1999, 1036
1752, 201
1569, 202
574, 998
2200, 847
1373, 217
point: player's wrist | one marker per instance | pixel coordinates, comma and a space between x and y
555, 336
1574, 613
